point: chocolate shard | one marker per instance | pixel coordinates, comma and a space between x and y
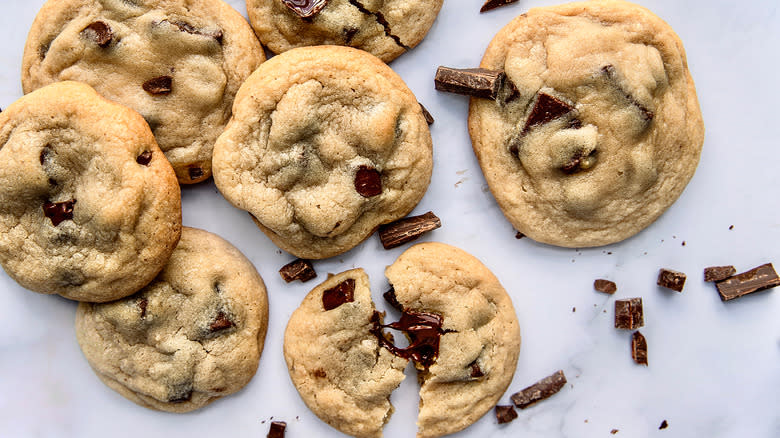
546, 109
407, 229
99, 32
143, 303
188, 28
493, 4
606, 286
59, 211
305, 8
757, 279
368, 182
477, 82
159, 86
539, 390
428, 117
342, 293
629, 314
639, 348
718, 273
145, 158
221, 322
664, 425
505, 414
194, 172
671, 279
298, 269
277, 429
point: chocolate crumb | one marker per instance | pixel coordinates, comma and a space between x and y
731, 227
614, 431
606, 286
342, 293
277, 429
368, 182
298, 269
539, 390
519, 235
639, 348
718, 273
671, 279
663, 425
505, 414
493, 4
629, 314
757, 279
407, 229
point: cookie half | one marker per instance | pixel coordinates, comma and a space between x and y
385, 28
178, 63
192, 336
89, 207
326, 143
599, 129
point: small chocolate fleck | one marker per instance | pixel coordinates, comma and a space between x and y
606, 286
159, 86
663, 425
505, 414
629, 314
519, 235
142, 304
349, 33
718, 273
575, 124
671, 279
277, 429
368, 182
342, 293
407, 229
546, 109
221, 322
145, 158
477, 82
757, 279
540, 390
194, 172
188, 28
476, 371
58, 211
731, 227
614, 431
44, 154
493, 4
639, 348
298, 269
100, 33
428, 117
305, 8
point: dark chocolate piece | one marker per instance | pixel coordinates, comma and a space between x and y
159, 86
476, 371
342, 293
718, 273
222, 322
142, 304
407, 229
145, 158
424, 330
477, 82
546, 109
44, 154
277, 429
392, 300
629, 314
349, 34
757, 279
663, 425
368, 182
671, 279
639, 348
99, 32
305, 8
298, 269
606, 286
194, 172
519, 235
492, 4
505, 414
59, 211
428, 117
380, 18
539, 390
188, 28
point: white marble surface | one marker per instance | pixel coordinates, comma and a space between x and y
713, 366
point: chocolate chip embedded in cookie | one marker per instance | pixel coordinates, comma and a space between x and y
178, 63
192, 336
326, 144
385, 29
89, 207
603, 128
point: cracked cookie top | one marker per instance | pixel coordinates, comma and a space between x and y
599, 130
326, 144
89, 207
178, 63
385, 28
193, 335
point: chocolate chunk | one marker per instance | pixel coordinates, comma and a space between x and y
718, 273
349, 34
476, 371
671, 279
611, 72
298, 269
142, 304
222, 322
58, 211
368, 182
427, 115
305, 8
186, 27
145, 158
180, 393
606, 286
393, 300
629, 314
546, 109
539, 390
639, 348
277, 429
757, 279
505, 414
380, 18
492, 4
477, 82
424, 330
195, 172
342, 293
663, 425
159, 86
99, 32
407, 229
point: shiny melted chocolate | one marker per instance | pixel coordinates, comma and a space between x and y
343, 293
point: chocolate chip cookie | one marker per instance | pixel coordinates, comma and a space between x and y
463, 334
325, 144
192, 336
89, 207
385, 28
178, 63
598, 130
